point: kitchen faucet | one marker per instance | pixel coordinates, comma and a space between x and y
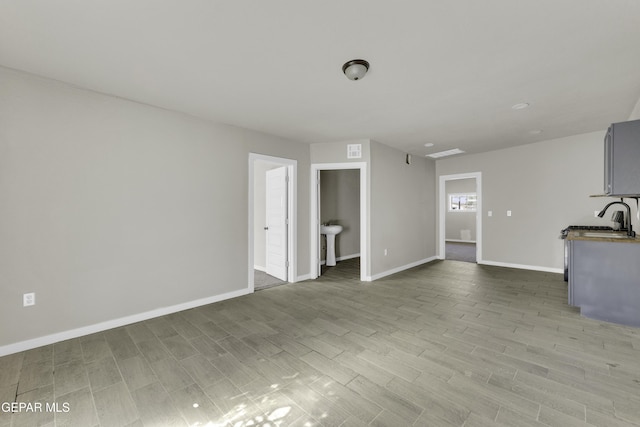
630, 232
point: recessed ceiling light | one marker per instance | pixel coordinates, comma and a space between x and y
445, 153
535, 131
520, 106
429, 144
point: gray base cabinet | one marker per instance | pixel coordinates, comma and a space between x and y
604, 280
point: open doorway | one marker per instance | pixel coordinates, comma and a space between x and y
339, 206
272, 219
460, 213
347, 250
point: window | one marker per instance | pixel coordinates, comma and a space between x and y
462, 202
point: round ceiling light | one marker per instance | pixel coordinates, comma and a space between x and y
520, 106
355, 69
429, 144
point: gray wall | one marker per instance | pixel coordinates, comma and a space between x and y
260, 212
402, 203
547, 187
336, 152
462, 220
111, 208
635, 113
403, 209
340, 204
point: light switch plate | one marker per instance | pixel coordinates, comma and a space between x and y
508, 213
28, 299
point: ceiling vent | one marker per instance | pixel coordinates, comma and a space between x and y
445, 153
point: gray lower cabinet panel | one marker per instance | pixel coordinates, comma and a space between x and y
604, 280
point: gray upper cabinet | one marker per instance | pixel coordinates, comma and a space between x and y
622, 159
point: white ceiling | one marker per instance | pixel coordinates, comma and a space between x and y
442, 71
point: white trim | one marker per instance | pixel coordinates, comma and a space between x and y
401, 268
459, 241
522, 266
341, 258
260, 268
345, 257
303, 278
315, 220
115, 323
442, 211
292, 212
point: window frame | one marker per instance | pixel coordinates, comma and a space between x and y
450, 197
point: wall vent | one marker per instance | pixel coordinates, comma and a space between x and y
354, 151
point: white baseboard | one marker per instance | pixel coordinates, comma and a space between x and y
522, 266
401, 268
115, 323
341, 258
459, 241
345, 257
303, 277
260, 268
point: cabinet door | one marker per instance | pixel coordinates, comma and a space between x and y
624, 158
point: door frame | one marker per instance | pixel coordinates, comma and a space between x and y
292, 212
443, 212
315, 215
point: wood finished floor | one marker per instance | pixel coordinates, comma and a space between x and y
448, 343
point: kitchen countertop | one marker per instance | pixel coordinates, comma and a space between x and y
602, 236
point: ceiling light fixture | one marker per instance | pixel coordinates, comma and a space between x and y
520, 106
445, 153
355, 69
429, 144
535, 131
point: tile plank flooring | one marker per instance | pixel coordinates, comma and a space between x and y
444, 344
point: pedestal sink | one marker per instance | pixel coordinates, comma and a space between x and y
331, 231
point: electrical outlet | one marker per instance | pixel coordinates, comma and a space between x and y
508, 213
595, 213
490, 213
385, 252
28, 299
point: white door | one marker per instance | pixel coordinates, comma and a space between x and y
276, 222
